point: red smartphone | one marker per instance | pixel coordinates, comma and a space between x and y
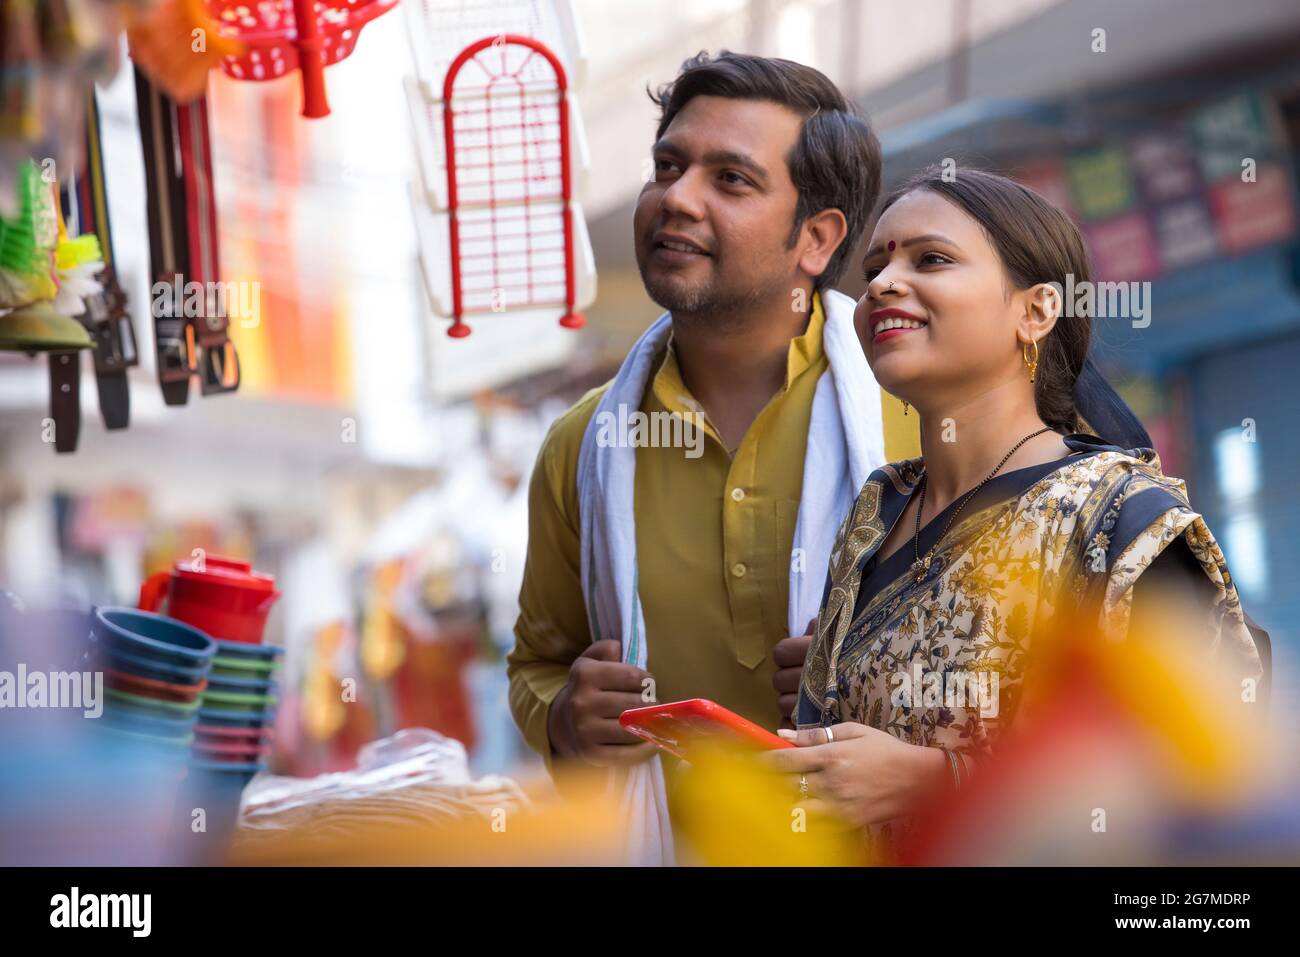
680, 727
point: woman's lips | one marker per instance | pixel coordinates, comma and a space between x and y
890, 334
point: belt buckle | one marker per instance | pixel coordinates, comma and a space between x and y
219, 368
109, 323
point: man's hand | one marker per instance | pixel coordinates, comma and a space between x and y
583, 718
789, 654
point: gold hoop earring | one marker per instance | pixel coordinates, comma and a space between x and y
1031, 363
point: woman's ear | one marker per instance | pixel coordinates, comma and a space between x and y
1042, 307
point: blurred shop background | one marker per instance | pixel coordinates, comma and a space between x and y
378, 468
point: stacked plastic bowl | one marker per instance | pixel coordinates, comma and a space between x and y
236, 713
235, 710
155, 670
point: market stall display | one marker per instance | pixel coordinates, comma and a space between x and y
223, 596
155, 668
106, 316
177, 42
506, 123
501, 161
191, 319
280, 36
192, 690
237, 705
50, 53
53, 297
235, 709
415, 776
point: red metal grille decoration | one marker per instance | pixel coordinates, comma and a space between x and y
509, 186
274, 45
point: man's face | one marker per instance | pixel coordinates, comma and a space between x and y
711, 227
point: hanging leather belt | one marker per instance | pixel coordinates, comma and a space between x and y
183, 246
218, 365
166, 221
106, 317
65, 399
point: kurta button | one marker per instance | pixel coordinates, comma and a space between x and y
738, 569
737, 494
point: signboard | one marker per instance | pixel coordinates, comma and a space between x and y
1102, 182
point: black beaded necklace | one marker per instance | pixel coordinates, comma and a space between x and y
922, 564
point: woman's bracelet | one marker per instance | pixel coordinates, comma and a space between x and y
959, 765
955, 767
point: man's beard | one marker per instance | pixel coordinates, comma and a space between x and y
706, 301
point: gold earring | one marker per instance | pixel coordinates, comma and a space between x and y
1031, 363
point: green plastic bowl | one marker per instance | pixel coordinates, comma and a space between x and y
243, 665
237, 699
147, 704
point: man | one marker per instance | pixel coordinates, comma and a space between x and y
764, 179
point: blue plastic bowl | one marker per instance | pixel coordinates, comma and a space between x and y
154, 637
141, 723
145, 740
146, 668
237, 719
228, 767
253, 685
242, 649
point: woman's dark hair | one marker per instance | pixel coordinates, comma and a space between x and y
1038, 243
835, 163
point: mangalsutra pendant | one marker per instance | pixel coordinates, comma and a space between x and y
920, 567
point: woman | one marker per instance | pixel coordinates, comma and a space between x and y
1013, 514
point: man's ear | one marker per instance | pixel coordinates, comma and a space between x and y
819, 237
1042, 307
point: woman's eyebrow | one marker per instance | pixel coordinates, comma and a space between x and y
877, 249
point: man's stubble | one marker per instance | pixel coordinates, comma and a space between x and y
721, 311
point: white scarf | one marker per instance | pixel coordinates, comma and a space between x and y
845, 444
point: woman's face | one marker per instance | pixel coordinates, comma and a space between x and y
939, 319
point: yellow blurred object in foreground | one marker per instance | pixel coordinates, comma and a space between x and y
1200, 713
584, 828
730, 811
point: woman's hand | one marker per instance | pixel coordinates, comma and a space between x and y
864, 776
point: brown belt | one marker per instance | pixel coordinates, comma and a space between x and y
106, 317
183, 245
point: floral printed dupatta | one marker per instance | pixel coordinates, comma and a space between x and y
1033, 543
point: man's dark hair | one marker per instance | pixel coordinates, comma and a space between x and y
835, 163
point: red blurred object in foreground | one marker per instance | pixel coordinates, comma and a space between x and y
275, 44
1124, 737
1079, 718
